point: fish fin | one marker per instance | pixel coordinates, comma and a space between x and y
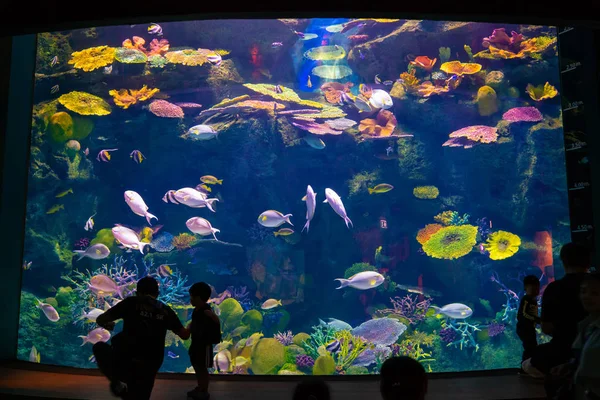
141, 245
325, 201
275, 234
84, 339
348, 221
209, 204
437, 309
343, 282
106, 305
306, 226
149, 217
220, 181
287, 219
81, 254
371, 190
214, 230
304, 198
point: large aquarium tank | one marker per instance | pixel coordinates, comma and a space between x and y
351, 189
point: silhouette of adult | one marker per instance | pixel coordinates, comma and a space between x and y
403, 378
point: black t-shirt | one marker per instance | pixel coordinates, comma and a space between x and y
145, 325
201, 324
527, 315
561, 307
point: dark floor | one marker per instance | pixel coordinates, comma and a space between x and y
22, 384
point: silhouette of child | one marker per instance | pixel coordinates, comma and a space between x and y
315, 389
403, 378
527, 316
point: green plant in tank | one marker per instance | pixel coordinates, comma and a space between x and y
361, 181
321, 336
350, 348
414, 344
358, 267
444, 54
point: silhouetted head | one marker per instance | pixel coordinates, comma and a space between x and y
315, 389
575, 257
531, 284
589, 293
403, 378
199, 293
147, 286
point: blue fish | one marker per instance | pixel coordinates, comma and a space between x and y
172, 355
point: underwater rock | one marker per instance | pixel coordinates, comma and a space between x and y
494, 79
60, 127
222, 79
50, 45
324, 365
383, 331
487, 101
413, 161
268, 355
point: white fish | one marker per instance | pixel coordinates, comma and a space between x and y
201, 226
49, 311
203, 132
271, 303
362, 281
34, 356
128, 238
190, 197
336, 324
314, 142
98, 251
95, 336
222, 361
108, 70
336, 203
138, 206
454, 311
273, 219
91, 315
380, 99
311, 204
89, 224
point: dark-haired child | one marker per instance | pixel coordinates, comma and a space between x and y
205, 329
527, 316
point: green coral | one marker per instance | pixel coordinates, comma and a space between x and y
413, 345
361, 181
451, 242
300, 338
50, 45
350, 348
413, 159
157, 61
231, 314
356, 370
65, 296
324, 365
321, 336
253, 319
105, 236
268, 355
291, 352
444, 54
358, 267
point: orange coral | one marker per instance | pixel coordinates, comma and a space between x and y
384, 125
125, 98
157, 47
427, 88
460, 69
137, 43
409, 80
424, 62
333, 91
184, 241
424, 234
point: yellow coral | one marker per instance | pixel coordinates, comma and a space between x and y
502, 244
445, 217
228, 102
426, 192
93, 58
425, 234
528, 48
328, 112
184, 241
451, 242
487, 101
189, 57
409, 80
84, 103
541, 92
221, 52
124, 98
281, 93
458, 68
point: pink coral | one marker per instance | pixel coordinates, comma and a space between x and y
408, 307
523, 114
158, 47
500, 40
314, 127
162, 108
471, 135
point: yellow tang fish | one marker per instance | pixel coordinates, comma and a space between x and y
271, 303
211, 180
284, 232
239, 361
381, 188
63, 194
55, 208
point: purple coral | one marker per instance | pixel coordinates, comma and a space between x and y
409, 307
500, 39
285, 338
495, 329
447, 335
483, 228
82, 243
523, 114
304, 362
381, 331
239, 293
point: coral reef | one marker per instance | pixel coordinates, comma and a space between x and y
130, 56
523, 114
382, 126
425, 234
541, 92
407, 309
285, 338
502, 244
426, 192
184, 241
305, 362
84, 103
451, 242
460, 69
93, 58
268, 356
487, 101
382, 331
125, 98
281, 93
324, 365
472, 135
495, 329
361, 181
164, 109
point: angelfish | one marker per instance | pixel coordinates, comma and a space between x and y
89, 224
138, 206
311, 204
336, 203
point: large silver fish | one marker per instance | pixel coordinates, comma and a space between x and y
362, 281
311, 204
454, 311
336, 203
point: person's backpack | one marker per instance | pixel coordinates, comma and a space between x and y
211, 331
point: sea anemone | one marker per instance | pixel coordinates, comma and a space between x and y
502, 244
451, 242
425, 234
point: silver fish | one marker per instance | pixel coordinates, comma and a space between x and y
336, 203
54, 89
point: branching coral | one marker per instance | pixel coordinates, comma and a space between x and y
464, 337
285, 338
451, 242
413, 345
184, 241
502, 244
449, 217
509, 308
350, 348
173, 289
320, 336
93, 58
84, 103
125, 98
409, 81
407, 308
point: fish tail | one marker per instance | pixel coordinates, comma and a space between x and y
142, 245
343, 282
215, 231
84, 339
220, 181
209, 204
348, 221
149, 217
306, 226
81, 254
436, 309
287, 219
371, 190
275, 234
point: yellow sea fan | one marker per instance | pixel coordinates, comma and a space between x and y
541, 92
93, 58
502, 244
451, 242
426, 192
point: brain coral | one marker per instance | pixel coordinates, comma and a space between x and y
487, 101
451, 242
93, 58
268, 355
426, 192
502, 244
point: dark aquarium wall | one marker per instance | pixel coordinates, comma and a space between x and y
351, 189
